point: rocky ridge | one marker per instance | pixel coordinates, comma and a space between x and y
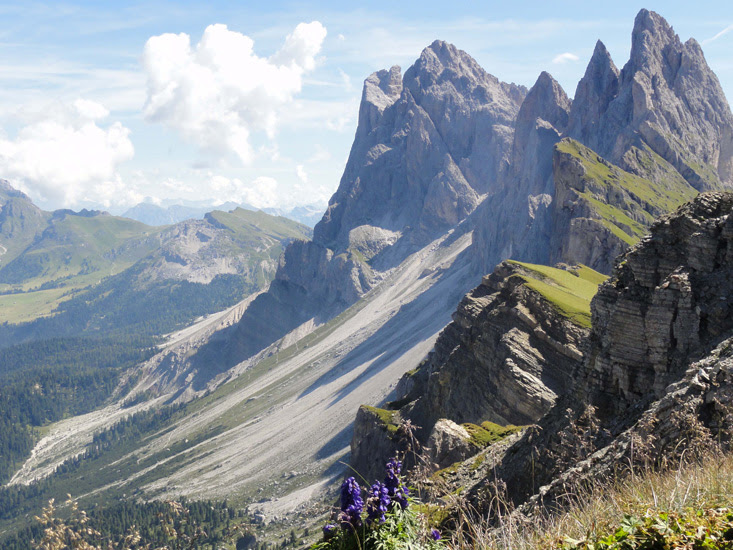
506, 357
656, 375
666, 96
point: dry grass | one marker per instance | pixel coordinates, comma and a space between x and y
703, 485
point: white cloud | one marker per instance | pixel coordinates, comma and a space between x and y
566, 57
346, 80
721, 33
260, 193
301, 173
62, 155
321, 155
220, 92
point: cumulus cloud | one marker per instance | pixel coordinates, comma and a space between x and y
301, 173
219, 92
566, 57
260, 193
65, 156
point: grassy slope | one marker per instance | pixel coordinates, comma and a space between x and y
627, 204
244, 223
644, 510
77, 252
569, 292
73, 252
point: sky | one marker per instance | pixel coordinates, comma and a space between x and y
109, 104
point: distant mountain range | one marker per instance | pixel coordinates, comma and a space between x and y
153, 214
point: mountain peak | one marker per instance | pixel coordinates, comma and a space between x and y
652, 22
7, 191
601, 56
546, 100
381, 89
653, 42
595, 91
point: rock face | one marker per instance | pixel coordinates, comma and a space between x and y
671, 298
448, 443
376, 441
666, 96
517, 220
599, 210
505, 357
427, 148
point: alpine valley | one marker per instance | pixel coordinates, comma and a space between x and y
494, 258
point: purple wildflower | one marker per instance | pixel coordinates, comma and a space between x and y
378, 503
329, 530
351, 503
395, 489
435, 534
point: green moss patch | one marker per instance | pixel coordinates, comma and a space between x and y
488, 432
568, 291
386, 417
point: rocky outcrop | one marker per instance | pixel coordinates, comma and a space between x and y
670, 299
376, 439
507, 355
448, 443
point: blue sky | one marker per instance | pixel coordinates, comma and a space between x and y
91, 116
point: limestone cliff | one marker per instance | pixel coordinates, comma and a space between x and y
517, 219
666, 97
670, 301
427, 149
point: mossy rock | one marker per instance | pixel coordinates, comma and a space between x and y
488, 432
389, 419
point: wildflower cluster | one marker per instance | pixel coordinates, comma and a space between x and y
384, 517
398, 493
351, 504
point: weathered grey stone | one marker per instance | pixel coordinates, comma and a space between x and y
448, 443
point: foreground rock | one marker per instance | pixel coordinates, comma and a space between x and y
657, 378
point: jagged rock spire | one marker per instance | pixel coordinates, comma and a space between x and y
665, 99
597, 88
